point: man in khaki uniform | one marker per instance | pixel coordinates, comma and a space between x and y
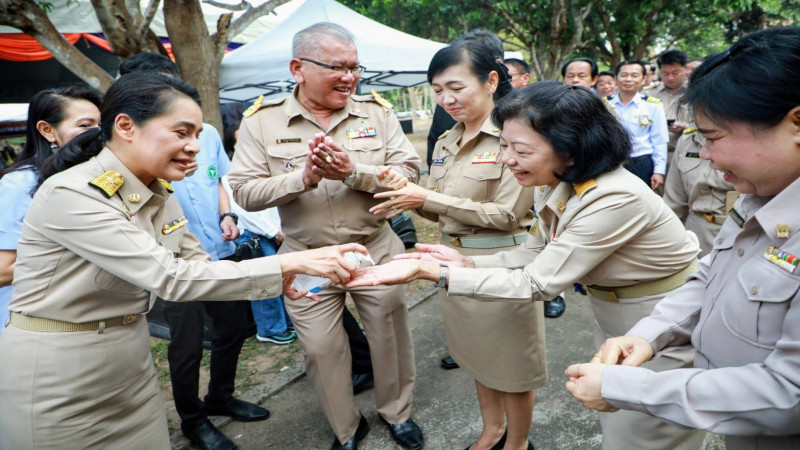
672, 64
698, 194
323, 187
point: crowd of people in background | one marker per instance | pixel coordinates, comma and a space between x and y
654, 188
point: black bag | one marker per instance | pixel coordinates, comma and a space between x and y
248, 249
405, 229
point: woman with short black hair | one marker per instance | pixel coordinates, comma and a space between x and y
741, 310
596, 223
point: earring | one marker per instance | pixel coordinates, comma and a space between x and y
53, 146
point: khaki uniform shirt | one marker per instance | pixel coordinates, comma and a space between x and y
670, 100
741, 310
693, 188
84, 256
610, 232
271, 153
474, 193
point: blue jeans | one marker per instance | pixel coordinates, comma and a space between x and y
270, 315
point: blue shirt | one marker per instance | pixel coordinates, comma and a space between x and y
647, 126
15, 197
198, 195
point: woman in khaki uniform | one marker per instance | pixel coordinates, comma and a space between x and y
698, 194
481, 210
596, 224
102, 238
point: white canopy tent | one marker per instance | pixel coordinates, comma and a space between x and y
393, 59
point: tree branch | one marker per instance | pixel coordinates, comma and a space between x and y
149, 14
243, 5
243, 21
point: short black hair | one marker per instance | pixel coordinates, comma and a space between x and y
606, 73
484, 37
591, 62
148, 62
518, 64
769, 59
672, 57
629, 62
482, 61
231, 120
576, 123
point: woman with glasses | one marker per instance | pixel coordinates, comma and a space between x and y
481, 210
741, 310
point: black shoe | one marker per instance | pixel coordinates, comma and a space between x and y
362, 382
498, 445
555, 307
449, 363
530, 446
352, 444
206, 436
407, 434
238, 410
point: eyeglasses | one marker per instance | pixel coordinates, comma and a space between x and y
342, 70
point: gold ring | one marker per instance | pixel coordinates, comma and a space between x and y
597, 355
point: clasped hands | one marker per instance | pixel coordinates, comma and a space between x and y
326, 159
586, 380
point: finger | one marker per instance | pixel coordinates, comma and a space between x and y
425, 248
395, 212
386, 194
407, 256
353, 247
575, 370
314, 297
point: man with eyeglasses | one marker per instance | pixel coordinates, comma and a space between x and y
316, 155
520, 72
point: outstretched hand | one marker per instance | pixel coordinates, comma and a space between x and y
390, 178
393, 272
328, 262
411, 196
437, 254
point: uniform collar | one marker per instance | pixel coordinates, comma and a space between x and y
293, 108
637, 99
556, 200
450, 141
779, 211
132, 186
662, 88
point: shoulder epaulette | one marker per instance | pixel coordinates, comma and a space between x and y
608, 97
261, 103
166, 185
381, 101
586, 186
108, 183
690, 130
444, 134
651, 99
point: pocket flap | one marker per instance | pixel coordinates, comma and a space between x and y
763, 281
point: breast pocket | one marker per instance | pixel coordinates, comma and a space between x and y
766, 292
366, 150
285, 158
109, 282
686, 165
481, 182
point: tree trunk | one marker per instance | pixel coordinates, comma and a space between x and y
195, 53
31, 19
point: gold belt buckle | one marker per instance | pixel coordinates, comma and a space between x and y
129, 318
456, 241
709, 217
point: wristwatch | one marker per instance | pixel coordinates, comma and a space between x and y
352, 177
443, 272
224, 215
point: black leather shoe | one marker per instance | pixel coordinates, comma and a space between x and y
498, 445
362, 382
449, 363
407, 434
238, 410
352, 444
555, 307
530, 446
206, 436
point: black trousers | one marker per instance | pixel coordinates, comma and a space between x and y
359, 347
185, 351
641, 166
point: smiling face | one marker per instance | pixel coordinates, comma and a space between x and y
324, 90
630, 78
756, 161
79, 116
163, 146
529, 156
462, 94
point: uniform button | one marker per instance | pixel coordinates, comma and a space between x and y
480, 177
719, 241
459, 163
754, 290
740, 252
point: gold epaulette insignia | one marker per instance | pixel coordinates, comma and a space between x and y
166, 185
108, 183
690, 130
652, 99
444, 134
381, 101
534, 231
254, 107
586, 186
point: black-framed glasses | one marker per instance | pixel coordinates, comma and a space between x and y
356, 70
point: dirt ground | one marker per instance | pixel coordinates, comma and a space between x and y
260, 361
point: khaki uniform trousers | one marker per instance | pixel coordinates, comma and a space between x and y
630, 430
384, 314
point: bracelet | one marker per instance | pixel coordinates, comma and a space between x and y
228, 214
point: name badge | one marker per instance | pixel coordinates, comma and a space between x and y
486, 157
288, 141
437, 162
692, 155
